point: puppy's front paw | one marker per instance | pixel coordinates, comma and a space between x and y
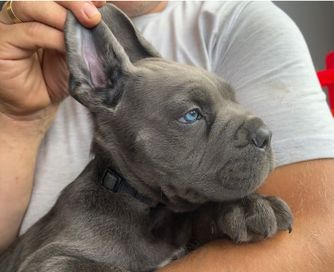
255, 218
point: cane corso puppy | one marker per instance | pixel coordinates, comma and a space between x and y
177, 162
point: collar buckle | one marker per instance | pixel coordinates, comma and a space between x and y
111, 180
114, 182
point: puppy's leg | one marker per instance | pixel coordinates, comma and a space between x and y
252, 218
71, 263
173, 228
58, 257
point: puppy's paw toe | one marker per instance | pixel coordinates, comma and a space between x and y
283, 213
233, 224
260, 219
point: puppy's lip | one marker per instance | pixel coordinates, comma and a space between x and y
236, 190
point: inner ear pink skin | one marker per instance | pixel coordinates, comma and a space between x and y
93, 61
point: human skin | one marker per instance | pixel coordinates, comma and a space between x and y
306, 186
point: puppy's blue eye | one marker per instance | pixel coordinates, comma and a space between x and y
191, 117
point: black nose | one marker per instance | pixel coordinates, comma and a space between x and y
261, 137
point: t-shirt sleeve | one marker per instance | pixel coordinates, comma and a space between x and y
265, 58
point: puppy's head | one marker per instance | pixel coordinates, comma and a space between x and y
175, 130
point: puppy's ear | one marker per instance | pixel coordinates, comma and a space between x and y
128, 36
98, 60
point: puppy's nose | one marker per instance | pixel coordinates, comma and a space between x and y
261, 137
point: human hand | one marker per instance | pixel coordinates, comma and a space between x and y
33, 71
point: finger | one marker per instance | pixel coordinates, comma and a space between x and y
99, 4
52, 13
49, 13
86, 12
20, 40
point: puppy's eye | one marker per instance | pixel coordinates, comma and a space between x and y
191, 117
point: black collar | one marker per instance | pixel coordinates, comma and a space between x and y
114, 182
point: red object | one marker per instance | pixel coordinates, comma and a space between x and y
326, 78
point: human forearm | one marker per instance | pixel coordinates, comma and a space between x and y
308, 189
19, 143
304, 250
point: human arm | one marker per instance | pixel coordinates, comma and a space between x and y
32, 85
308, 189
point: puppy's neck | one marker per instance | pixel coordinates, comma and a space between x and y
123, 181
104, 160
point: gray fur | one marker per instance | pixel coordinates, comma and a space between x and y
200, 177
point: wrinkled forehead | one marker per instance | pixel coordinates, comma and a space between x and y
170, 80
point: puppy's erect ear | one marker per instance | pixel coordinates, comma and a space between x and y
98, 58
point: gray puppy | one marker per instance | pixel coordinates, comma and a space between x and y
176, 164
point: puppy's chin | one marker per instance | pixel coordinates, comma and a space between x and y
238, 183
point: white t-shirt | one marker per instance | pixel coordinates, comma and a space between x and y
252, 45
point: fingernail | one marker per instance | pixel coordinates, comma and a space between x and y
99, 3
90, 10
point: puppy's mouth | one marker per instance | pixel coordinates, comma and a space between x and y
244, 176
239, 177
